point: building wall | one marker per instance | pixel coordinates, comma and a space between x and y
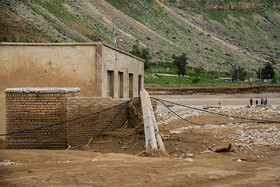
117, 61
82, 65
32, 110
46, 65
81, 131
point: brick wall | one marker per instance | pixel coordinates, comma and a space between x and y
32, 110
27, 110
81, 131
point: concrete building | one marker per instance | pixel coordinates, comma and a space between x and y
99, 70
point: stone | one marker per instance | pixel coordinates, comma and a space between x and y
188, 160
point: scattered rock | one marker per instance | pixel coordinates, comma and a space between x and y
188, 160
153, 153
6, 163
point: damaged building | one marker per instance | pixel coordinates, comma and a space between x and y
44, 83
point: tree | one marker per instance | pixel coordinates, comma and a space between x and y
180, 62
267, 72
143, 53
238, 73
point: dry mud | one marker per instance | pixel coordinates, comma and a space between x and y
112, 159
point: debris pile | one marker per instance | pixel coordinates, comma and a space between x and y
246, 134
269, 136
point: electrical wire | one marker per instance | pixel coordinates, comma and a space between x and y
216, 113
59, 123
179, 115
101, 132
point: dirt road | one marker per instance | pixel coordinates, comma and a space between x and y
80, 168
111, 160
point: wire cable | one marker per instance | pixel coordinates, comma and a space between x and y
180, 116
227, 115
59, 123
101, 132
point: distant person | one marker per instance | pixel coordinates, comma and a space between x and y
251, 101
265, 101
219, 103
257, 102
262, 101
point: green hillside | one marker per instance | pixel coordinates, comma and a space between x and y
214, 36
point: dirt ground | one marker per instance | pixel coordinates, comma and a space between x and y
112, 160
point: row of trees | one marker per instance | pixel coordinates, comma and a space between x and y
266, 72
238, 73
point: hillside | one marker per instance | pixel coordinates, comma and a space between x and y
214, 34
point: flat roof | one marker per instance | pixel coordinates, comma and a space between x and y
70, 44
43, 90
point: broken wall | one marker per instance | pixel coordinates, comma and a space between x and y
82, 130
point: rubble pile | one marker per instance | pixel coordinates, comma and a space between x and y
246, 135
269, 136
164, 115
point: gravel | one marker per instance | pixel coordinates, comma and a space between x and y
246, 135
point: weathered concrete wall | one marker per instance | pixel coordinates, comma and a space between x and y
46, 65
82, 65
34, 108
118, 61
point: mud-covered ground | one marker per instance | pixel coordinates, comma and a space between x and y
111, 160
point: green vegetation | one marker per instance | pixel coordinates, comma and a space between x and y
238, 73
164, 73
213, 39
143, 53
267, 72
180, 62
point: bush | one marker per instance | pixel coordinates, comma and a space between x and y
274, 80
4, 39
198, 69
196, 80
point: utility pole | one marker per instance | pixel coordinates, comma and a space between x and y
260, 74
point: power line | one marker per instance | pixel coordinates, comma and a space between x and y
258, 120
104, 128
179, 115
59, 123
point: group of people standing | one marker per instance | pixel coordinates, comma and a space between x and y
263, 101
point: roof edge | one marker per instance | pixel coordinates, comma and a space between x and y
70, 44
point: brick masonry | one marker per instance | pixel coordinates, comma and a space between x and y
81, 131
32, 110
28, 110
